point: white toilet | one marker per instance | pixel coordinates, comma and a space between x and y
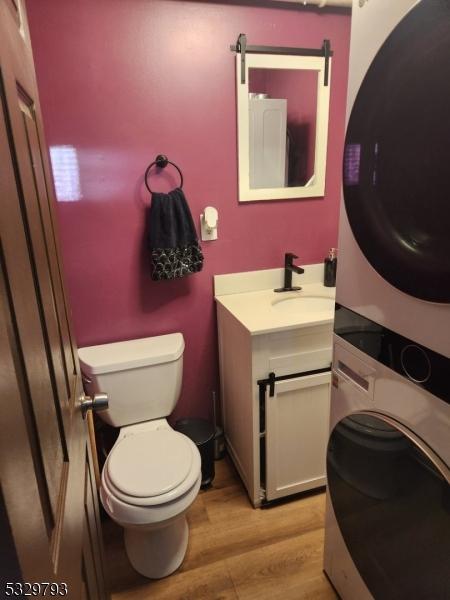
153, 473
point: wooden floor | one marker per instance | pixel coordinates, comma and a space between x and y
235, 551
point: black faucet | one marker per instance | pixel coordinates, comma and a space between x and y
290, 268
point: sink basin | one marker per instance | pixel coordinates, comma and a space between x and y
263, 311
303, 304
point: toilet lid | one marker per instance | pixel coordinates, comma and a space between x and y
151, 463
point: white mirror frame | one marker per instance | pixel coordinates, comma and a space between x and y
316, 186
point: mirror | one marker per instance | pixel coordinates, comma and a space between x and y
282, 113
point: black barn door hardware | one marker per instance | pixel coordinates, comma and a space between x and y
272, 379
242, 48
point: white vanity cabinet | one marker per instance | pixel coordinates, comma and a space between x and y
275, 397
296, 435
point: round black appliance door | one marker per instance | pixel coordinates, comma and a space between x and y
391, 499
397, 156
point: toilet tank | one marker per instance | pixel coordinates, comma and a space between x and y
141, 377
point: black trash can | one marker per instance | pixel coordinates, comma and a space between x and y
201, 432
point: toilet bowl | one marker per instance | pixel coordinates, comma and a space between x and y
153, 473
149, 499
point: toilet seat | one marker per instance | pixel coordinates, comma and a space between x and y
152, 467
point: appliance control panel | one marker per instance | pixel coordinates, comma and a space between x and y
418, 364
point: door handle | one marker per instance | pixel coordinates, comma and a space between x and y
97, 403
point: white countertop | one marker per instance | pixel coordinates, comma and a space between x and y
261, 312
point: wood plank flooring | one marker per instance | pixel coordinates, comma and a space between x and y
235, 551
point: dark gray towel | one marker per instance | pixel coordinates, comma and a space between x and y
172, 236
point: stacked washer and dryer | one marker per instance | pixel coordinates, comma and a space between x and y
388, 460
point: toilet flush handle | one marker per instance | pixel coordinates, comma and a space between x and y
97, 403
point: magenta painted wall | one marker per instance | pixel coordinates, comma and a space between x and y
121, 81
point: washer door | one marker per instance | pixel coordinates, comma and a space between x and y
397, 156
391, 498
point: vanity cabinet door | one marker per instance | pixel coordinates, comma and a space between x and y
297, 419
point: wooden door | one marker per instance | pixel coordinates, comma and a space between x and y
49, 503
297, 420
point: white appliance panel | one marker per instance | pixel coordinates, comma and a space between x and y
268, 125
359, 285
374, 521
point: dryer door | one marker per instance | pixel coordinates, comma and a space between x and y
391, 498
397, 156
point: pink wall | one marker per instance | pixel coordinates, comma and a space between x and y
121, 81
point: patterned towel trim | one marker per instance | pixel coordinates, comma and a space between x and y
170, 263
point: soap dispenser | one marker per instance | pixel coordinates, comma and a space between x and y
330, 265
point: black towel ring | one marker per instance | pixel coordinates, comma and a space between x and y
162, 161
